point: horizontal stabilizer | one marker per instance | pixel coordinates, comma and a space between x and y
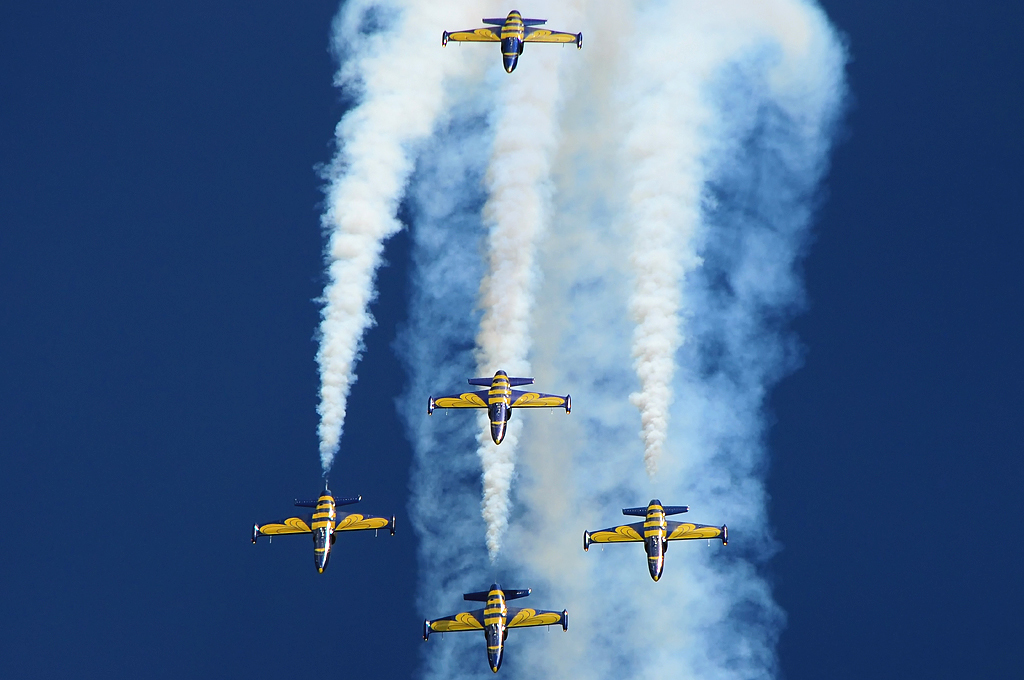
635, 512
482, 382
509, 595
494, 22
515, 594
676, 509
304, 504
534, 22
347, 500
516, 382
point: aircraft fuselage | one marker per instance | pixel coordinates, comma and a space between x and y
499, 405
495, 620
655, 543
324, 518
513, 31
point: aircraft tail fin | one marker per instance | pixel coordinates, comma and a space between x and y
635, 512
482, 382
516, 382
477, 597
534, 22
304, 504
676, 509
515, 594
494, 22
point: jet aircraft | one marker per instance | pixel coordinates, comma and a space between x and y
655, 532
495, 619
324, 523
515, 32
499, 400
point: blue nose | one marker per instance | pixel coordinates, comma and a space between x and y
656, 565
498, 431
494, 659
510, 62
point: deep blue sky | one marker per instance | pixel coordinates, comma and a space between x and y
159, 253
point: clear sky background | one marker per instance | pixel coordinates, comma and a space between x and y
159, 256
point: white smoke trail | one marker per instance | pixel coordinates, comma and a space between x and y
396, 69
517, 213
766, 84
664, 148
756, 86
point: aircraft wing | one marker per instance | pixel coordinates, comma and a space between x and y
681, 531
485, 34
473, 620
292, 525
535, 400
464, 400
522, 618
620, 534
545, 35
358, 522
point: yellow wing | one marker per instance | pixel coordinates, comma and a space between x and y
535, 400
356, 522
681, 531
464, 400
292, 525
621, 534
521, 618
477, 35
544, 35
473, 620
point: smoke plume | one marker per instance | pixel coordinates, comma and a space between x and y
399, 100
676, 178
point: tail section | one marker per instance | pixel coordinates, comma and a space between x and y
534, 22
477, 597
481, 382
676, 509
635, 512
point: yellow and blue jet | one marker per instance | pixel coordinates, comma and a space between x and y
515, 32
655, 532
499, 400
495, 619
324, 523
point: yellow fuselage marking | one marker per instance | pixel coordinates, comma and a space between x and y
500, 393
655, 524
325, 513
494, 615
323, 518
513, 28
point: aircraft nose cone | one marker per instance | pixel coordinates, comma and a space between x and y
510, 65
656, 567
497, 432
320, 570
